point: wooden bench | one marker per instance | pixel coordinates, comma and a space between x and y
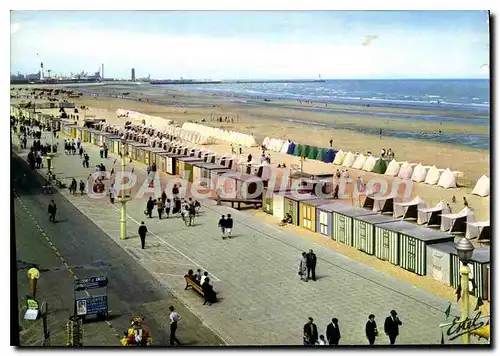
194, 286
197, 288
257, 203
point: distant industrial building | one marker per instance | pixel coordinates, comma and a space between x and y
133, 75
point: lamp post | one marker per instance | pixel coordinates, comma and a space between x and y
51, 154
123, 199
464, 249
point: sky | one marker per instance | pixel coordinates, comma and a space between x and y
254, 44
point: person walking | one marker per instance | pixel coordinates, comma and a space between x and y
371, 329
163, 197
112, 193
52, 211
303, 267
82, 187
222, 225
311, 265
159, 206
391, 326
167, 207
333, 332
174, 319
310, 333
142, 234
229, 225
149, 207
192, 213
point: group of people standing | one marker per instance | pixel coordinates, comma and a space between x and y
391, 329
307, 266
226, 226
71, 146
185, 208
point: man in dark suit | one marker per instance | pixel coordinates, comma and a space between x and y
371, 329
333, 332
52, 211
142, 234
311, 265
391, 326
310, 333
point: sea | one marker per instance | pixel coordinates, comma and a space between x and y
461, 101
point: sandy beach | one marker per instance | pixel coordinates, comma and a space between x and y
262, 121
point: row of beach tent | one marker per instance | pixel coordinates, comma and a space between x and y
463, 221
418, 173
233, 137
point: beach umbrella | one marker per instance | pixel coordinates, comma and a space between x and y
380, 166
313, 152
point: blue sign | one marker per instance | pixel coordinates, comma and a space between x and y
91, 305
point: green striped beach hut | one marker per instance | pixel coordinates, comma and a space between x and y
478, 271
413, 246
387, 240
342, 221
363, 228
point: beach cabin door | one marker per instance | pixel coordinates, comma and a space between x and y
341, 229
385, 246
307, 216
437, 263
362, 236
412, 247
323, 223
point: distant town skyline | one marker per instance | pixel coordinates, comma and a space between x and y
254, 44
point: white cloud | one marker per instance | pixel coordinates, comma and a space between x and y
14, 28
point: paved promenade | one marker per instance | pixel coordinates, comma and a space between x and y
262, 300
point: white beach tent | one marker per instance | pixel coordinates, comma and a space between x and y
409, 210
419, 173
480, 229
380, 204
369, 164
405, 171
392, 168
358, 163
286, 144
432, 216
457, 223
265, 143
348, 160
432, 176
482, 187
339, 158
448, 179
